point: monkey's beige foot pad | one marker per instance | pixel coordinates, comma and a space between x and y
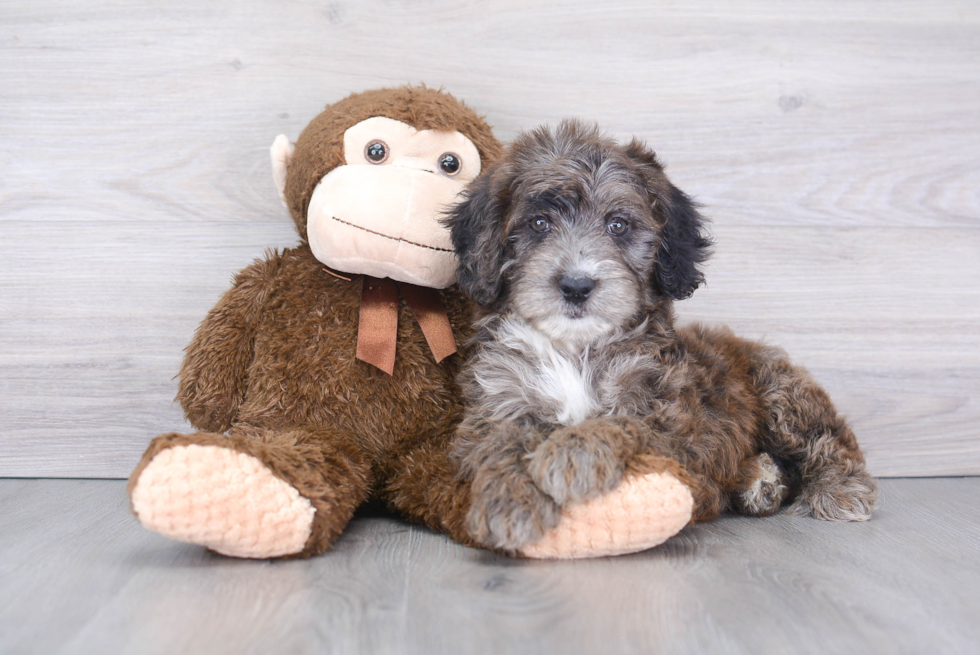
640, 513
223, 499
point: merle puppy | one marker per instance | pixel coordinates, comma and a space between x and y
575, 247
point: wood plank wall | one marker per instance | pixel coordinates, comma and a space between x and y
836, 146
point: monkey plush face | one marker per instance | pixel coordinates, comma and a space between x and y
379, 212
376, 210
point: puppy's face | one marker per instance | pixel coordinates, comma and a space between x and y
581, 239
576, 233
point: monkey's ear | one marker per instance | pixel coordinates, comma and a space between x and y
684, 245
282, 157
476, 228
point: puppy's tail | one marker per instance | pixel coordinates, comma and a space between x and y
804, 432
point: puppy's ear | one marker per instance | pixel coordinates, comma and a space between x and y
476, 228
684, 246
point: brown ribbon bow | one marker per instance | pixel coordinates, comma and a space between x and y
377, 329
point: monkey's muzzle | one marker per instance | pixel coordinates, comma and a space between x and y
383, 221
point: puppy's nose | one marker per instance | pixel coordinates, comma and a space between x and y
576, 289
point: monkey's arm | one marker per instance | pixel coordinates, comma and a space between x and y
214, 375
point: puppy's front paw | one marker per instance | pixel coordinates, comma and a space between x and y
509, 512
576, 463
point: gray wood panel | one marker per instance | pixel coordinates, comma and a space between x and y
835, 146
81, 576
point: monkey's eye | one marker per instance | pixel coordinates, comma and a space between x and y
450, 163
376, 152
540, 224
618, 226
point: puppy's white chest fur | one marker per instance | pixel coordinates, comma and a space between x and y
527, 374
567, 384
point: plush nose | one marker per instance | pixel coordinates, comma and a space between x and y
576, 289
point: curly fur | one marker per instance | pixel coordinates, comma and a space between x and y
564, 395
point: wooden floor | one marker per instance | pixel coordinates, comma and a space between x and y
78, 575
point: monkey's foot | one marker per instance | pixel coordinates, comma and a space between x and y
640, 513
223, 499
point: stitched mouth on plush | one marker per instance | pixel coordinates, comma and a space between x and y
388, 236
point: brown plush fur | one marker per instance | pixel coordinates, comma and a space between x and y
567, 390
273, 365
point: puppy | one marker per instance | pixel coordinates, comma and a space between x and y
575, 247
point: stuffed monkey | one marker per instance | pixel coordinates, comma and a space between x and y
326, 375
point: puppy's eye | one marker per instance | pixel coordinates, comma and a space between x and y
376, 152
540, 224
450, 164
618, 227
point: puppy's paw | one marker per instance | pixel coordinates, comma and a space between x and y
576, 463
508, 512
836, 497
767, 490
